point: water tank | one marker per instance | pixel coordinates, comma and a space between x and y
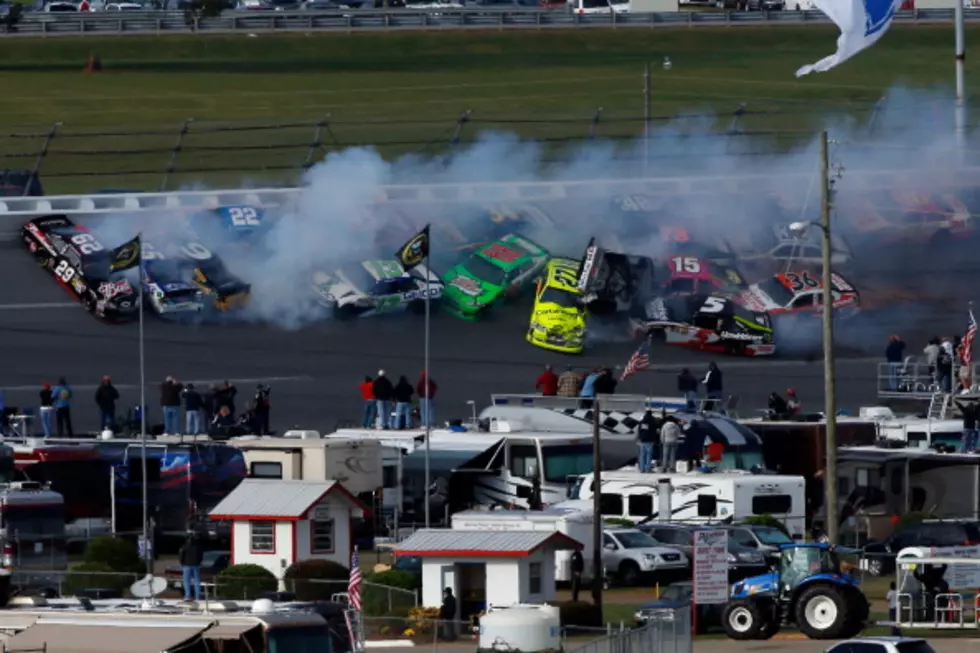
527, 628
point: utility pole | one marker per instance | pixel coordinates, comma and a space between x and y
830, 400
646, 119
597, 511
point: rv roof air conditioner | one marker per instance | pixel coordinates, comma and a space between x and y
500, 426
876, 413
303, 435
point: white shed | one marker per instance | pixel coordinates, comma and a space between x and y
276, 523
486, 568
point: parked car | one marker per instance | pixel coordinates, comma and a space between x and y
743, 561
764, 539
878, 558
882, 645
679, 595
213, 563
629, 555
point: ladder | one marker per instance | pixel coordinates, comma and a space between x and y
355, 627
938, 405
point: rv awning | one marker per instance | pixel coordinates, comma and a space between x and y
230, 631
441, 461
96, 638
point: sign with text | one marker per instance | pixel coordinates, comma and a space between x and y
710, 567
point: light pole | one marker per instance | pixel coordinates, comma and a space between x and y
830, 399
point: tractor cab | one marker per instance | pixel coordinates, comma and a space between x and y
799, 563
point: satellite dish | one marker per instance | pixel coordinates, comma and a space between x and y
148, 587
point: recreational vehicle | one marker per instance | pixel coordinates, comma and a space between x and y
696, 498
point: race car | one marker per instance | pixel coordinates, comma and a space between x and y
691, 275
558, 317
775, 242
799, 292
611, 282
708, 323
236, 220
904, 215
374, 287
493, 272
82, 265
189, 278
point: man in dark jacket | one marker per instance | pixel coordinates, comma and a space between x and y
971, 413
106, 397
894, 355
645, 439
262, 406
194, 408
426, 390
606, 383
191, 554
578, 566
713, 387
384, 392
170, 401
447, 614
688, 387
225, 396
403, 392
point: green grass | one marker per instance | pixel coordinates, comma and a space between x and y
404, 92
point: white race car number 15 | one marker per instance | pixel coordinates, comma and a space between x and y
687, 264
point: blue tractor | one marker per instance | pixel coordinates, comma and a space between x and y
807, 588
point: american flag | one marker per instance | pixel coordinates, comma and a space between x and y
966, 345
640, 360
354, 584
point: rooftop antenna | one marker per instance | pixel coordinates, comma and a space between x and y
148, 588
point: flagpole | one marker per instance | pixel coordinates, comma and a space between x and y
146, 502
427, 406
960, 113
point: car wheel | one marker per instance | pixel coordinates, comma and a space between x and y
629, 573
744, 619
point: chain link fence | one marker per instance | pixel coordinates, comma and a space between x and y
666, 631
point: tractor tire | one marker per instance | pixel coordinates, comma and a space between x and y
858, 612
821, 612
745, 619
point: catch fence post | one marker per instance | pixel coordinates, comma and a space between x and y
460, 123
40, 157
734, 127
172, 163
316, 145
594, 123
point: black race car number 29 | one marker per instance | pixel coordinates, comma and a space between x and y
801, 281
64, 271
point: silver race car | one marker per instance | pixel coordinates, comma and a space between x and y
376, 286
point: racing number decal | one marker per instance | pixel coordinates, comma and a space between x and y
150, 253
713, 305
86, 243
801, 281
687, 264
196, 251
64, 271
566, 277
244, 216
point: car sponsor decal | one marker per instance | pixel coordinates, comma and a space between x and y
41, 238
78, 285
502, 253
110, 289
741, 336
587, 264
467, 286
420, 294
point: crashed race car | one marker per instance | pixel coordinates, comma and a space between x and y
799, 293
374, 287
82, 265
558, 317
775, 242
189, 277
691, 275
708, 323
614, 283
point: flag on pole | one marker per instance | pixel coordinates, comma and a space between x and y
126, 256
861, 24
354, 584
966, 345
640, 360
415, 250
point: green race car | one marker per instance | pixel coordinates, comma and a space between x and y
495, 270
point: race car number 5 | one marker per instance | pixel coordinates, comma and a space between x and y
713, 305
64, 271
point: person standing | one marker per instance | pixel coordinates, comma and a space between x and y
370, 410
191, 555
547, 383
225, 397
931, 352
578, 566
426, 390
263, 408
645, 439
106, 397
403, 403
687, 385
384, 392
447, 614
606, 383
170, 402
971, 412
569, 383
894, 355
62, 395
713, 387
670, 435
587, 393
47, 409
194, 410
944, 365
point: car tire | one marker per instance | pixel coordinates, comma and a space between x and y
876, 566
629, 573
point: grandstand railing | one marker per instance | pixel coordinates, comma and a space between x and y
914, 380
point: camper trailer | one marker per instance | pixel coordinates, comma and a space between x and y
914, 431
697, 498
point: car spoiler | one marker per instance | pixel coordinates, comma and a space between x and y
53, 221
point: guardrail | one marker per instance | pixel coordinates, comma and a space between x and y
154, 22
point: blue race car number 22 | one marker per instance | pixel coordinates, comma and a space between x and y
244, 216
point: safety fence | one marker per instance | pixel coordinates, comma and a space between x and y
71, 158
153, 22
915, 379
665, 631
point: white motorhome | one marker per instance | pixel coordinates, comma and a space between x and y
576, 524
914, 431
696, 498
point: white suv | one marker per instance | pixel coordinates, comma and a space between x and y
629, 554
882, 645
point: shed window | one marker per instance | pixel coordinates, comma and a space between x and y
262, 536
534, 578
321, 536
265, 470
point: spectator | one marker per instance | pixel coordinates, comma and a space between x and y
547, 383
447, 614
569, 383
793, 404
670, 435
646, 437
249, 420
713, 387
606, 383
578, 566
688, 387
894, 355
971, 412
170, 401
62, 408
932, 356
262, 407
224, 418
194, 408
892, 598
944, 365
225, 396
47, 409
211, 402
403, 403
426, 390
370, 403
778, 407
384, 392
587, 393
106, 397
191, 555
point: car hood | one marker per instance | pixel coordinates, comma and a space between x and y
334, 285
553, 316
467, 289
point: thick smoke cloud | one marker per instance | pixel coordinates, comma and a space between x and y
336, 220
